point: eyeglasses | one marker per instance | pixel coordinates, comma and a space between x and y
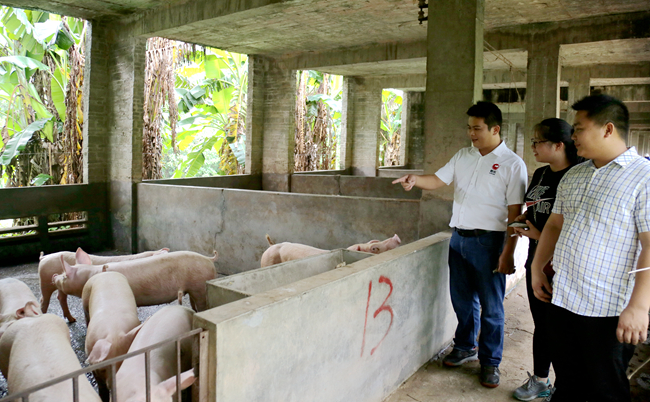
534, 142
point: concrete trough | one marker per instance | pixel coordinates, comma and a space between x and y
352, 333
225, 290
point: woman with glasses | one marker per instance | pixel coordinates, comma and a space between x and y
551, 144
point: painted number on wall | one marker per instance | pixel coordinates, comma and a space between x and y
383, 307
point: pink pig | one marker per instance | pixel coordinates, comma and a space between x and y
166, 323
51, 264
286, 251
153, 280
112, 320
37, 349
16, 301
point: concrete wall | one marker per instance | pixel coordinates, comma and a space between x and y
353, 333
241, 181
234, 222
354, 186
40, 202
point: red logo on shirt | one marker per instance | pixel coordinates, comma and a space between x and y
495, 166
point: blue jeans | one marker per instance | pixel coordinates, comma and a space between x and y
477, 294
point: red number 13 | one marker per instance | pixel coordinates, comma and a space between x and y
383, 307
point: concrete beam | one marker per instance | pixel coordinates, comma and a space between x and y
595, 29
168, 20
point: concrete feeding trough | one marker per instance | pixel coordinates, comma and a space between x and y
229, 289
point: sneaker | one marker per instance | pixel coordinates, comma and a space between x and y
490, 376
532, 389
550, 394
458, 357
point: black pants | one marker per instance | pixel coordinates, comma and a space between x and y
589, 361
541, 341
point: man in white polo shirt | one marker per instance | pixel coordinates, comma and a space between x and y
489, 186
598, 233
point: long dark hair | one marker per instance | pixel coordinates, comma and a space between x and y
556, 131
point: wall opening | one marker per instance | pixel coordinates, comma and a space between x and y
41, 81
390, 132
194, 111
318, 121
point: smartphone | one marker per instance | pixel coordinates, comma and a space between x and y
518, 225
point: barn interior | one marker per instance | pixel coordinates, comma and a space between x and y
548, 53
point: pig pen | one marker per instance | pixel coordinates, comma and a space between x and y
355, 332
235, 221
28, 273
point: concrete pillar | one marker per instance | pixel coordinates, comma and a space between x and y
255, 114
114, 91
454, 83
579, 87
542, 90
413, 127
95, 101
278, 126
364, 103
403, 133
347, 125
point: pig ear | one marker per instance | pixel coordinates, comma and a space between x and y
100, 351
397, 239
128, 338
82, 257
67, 268
31, 309
161, 251
169, 385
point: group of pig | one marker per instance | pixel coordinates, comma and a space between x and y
35, 347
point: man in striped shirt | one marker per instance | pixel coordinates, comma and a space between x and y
598, 232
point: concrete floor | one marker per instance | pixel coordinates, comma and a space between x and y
434, 382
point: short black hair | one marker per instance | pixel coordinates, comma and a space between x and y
490, 113
603, 109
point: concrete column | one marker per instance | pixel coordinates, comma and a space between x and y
403, 134
454, 83
579, 87
95, 101
413, 127
542, 89
347, 125
364, 103
124, 141
255, 114
278, 127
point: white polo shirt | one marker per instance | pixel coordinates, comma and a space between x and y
484, 186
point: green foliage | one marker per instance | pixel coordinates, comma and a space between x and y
390, 127
211, 91
31, 41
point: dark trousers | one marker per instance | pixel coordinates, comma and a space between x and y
541, 341
589, 361
477, 294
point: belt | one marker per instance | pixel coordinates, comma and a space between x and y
472, 232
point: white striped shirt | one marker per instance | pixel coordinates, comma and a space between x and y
604, 210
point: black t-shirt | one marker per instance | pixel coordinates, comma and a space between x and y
540, 198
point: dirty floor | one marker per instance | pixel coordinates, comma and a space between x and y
434, 382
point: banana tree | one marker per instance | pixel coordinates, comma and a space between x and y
211, 92
391, 125
34, 80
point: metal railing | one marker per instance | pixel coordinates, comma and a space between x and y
199, 361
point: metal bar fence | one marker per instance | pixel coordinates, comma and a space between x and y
198, 333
